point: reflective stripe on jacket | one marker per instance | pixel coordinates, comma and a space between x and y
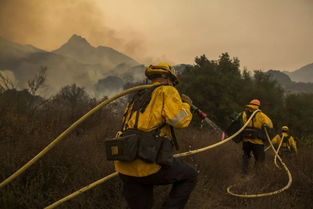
291, 142
258, 121
165, 106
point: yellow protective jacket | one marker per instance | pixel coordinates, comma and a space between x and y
258, 121
291, 144
165, 106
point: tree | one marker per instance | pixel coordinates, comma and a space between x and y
38, 81
214, 85
298, 114
219, 88
72, 95
5, 83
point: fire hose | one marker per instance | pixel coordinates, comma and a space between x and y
191, 152
213, 125
278, 148
98, 107
268, 193
67, 131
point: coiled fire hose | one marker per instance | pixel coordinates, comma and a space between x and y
269, 193
191, 152
279, 146
88, 114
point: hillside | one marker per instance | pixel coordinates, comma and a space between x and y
303, 74
29, 123
76, 61
12, 55
289, 85
79, 49
25, 61
10, 51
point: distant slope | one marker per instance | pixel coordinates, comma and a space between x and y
289, 85
280, 77
303, 74
74, 62
25, 61
11, 53
78, 48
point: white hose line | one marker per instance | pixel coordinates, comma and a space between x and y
267, 148
84, 189
192, 152
106, 178
279, 146
69, 130
269, 193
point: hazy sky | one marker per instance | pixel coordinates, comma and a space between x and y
263, 34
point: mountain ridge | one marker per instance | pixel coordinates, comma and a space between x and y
80, 49
303, 74
289, 85
76, 61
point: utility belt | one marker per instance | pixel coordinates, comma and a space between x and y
136, 144
253, 133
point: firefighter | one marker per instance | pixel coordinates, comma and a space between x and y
163, 111
288, 145
253, 136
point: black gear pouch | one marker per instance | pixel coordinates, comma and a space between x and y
149, 147
123, 148
136, 144
165, 156
152, 148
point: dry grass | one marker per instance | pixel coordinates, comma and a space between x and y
80, 159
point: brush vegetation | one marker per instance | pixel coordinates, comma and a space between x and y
29, 123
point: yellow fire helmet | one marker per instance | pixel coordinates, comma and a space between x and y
284, 128
162, 69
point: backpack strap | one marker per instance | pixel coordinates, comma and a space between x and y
252, 131
286, 139
138, 105
137, 119
125, 117
248, 114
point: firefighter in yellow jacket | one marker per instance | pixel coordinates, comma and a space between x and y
164, 110
253, 136
288, 144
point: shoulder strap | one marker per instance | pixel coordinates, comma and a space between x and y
248, 114
286, 139
139, 103
126, 114
143, 97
